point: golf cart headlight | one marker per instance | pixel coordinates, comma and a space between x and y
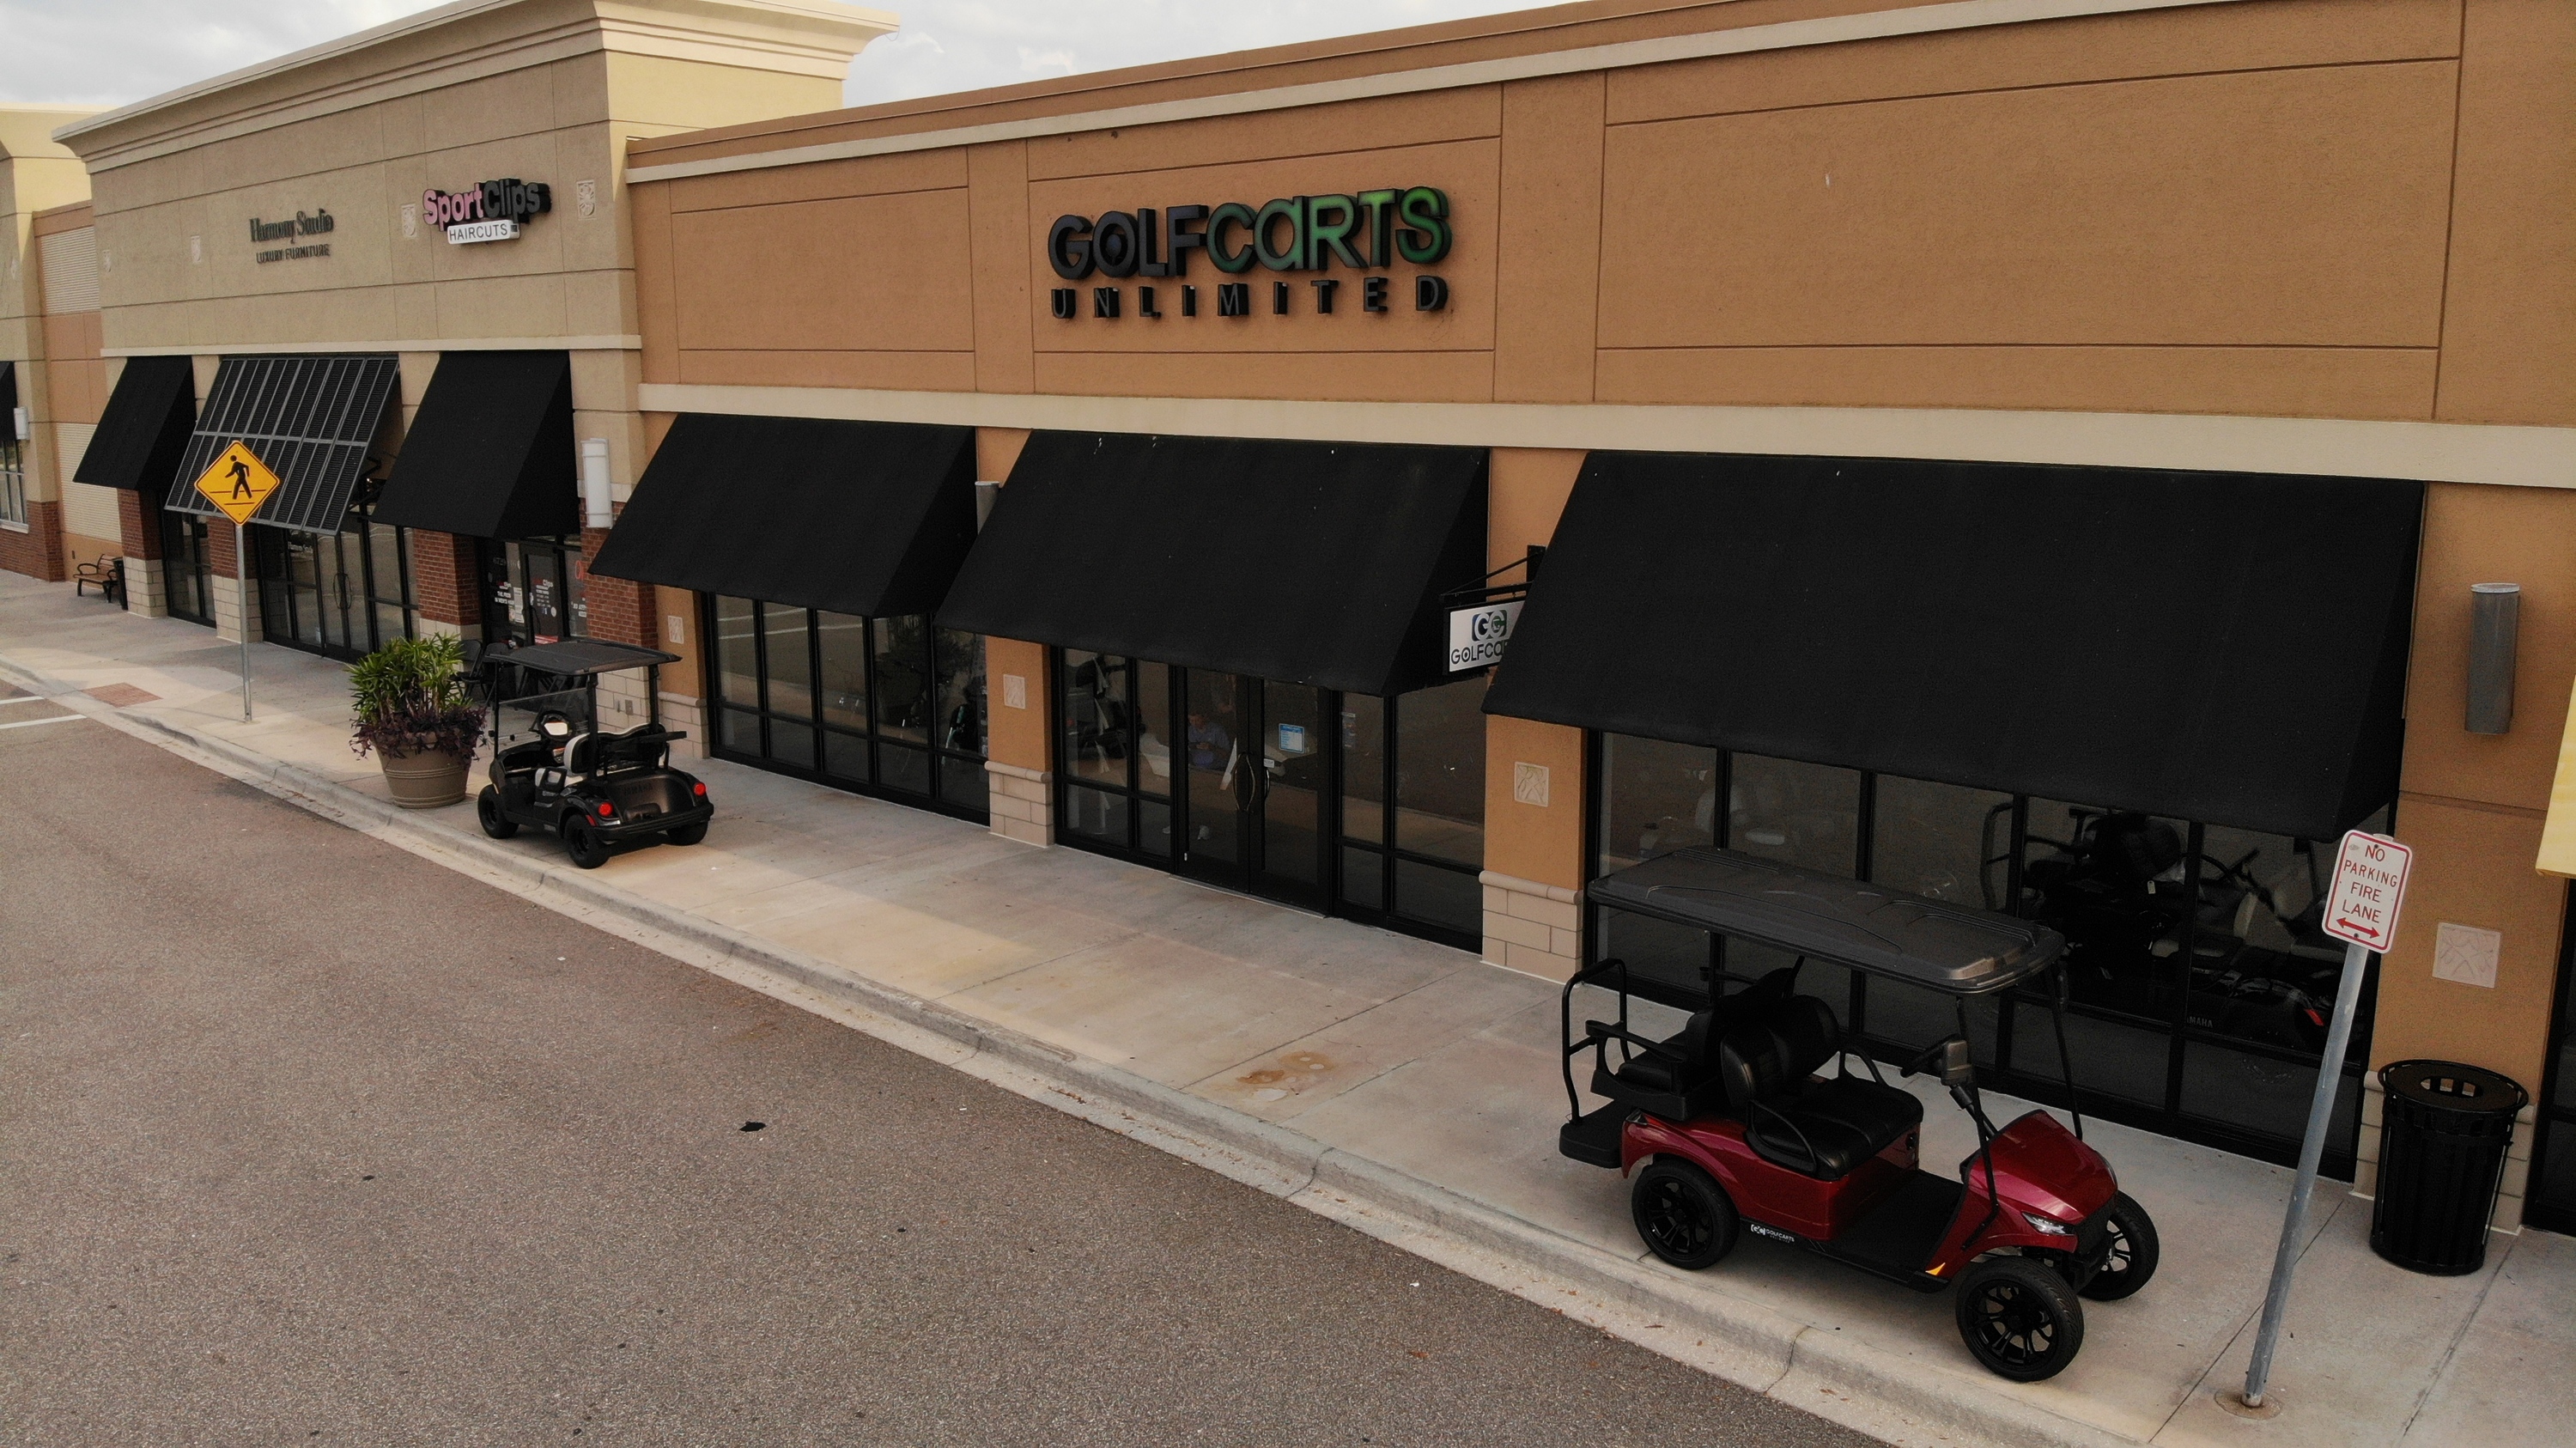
2051, 1226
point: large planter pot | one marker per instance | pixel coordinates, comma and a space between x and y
426, 781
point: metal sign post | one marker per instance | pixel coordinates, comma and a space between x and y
2361, 911
237, 482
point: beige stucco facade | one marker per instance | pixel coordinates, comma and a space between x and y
2333, 237
41, 186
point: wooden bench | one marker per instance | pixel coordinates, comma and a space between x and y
106, 573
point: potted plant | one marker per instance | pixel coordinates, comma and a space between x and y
412, 708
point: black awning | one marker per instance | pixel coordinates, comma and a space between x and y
9, 393
1948, 947
144, 431
1308, 562
854, 517
490, 453
309, 418
2219, 647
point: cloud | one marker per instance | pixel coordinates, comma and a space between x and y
111, 52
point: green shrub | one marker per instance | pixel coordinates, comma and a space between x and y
408, 698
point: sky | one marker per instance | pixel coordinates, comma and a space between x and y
110, 52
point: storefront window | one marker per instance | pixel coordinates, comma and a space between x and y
13, 480
1252, 788
887, 706
340, 594
188, 568
2198, 980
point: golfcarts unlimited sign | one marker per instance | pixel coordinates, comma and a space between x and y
1299, 239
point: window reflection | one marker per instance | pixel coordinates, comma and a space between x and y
2199, 980
1440, 773
883, 705
1804, 814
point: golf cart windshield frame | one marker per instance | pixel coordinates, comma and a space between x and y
1953, 949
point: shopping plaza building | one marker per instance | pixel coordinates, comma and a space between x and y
2061, 456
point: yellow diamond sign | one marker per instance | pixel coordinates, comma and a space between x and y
237, 483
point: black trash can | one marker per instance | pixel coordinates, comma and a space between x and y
2441, 1161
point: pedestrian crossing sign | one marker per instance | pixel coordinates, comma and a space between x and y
237, 483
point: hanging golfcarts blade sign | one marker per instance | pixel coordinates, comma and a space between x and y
1477, 635
1760, 1117
2369, 885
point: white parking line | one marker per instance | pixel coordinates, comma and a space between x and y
32, 723
22, 699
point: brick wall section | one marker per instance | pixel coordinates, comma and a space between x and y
620, 609
138, 524
38, 552
219, 547
445, 588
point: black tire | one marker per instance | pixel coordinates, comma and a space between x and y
2019, 1318
687, 834
1683, 1214
587, 849
2131, 1260
487, 810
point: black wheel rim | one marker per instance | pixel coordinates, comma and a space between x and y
2013, 1326
1673, 1223
2118, 1256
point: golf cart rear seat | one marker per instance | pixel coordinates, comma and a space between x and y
1818, 1127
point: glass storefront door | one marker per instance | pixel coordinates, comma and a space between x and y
533, 590
188, 569
340, 594
1254, 783
1279, 790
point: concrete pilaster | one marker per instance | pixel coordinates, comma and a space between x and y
235, 614
147, 587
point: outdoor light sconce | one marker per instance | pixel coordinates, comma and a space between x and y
594, 482
19, 424
985, 494
2495, 617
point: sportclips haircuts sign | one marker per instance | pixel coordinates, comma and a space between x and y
489, 211
1366, 232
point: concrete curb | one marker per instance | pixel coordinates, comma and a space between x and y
1866, 1388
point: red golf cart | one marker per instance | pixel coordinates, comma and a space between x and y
1730, 1126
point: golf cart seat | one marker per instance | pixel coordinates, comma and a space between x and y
1674, 1078
1823, 1128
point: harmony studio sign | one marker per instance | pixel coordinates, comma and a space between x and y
1366, 231
319, 223
487, 211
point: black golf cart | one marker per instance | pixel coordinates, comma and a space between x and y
1730, 1125
554, 768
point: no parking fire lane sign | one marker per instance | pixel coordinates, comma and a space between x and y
2369, 885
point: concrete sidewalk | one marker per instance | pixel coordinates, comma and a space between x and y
1409, 1089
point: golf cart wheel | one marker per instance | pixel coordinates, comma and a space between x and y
2019, 1318
588, 850
1683, 1214
687, 834
2131, 1257
487, 809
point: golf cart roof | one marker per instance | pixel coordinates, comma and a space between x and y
580, 658
1950, 948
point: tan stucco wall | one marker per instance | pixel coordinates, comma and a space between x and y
542, 90
2246, 209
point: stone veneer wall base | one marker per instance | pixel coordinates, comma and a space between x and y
1532, 928
1023, 803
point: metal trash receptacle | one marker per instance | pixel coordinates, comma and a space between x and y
2441, 1162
